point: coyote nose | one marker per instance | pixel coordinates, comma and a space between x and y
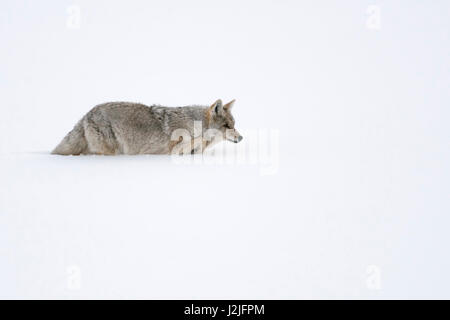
239, 139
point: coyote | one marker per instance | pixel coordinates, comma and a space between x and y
131, 128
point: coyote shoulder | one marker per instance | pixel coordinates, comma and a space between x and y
131, 128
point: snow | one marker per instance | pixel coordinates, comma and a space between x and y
145, 227
338, 190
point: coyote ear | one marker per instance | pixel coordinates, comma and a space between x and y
216, 107
229, 105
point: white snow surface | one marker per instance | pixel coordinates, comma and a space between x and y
356, 204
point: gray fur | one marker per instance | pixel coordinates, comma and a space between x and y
131, 128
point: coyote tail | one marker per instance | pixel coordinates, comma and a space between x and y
74, 143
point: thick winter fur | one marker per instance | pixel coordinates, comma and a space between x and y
131, 128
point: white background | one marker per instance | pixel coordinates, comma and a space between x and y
358, 206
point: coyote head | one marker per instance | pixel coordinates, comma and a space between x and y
222, 122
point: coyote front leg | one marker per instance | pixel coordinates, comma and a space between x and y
187, 146
180, 147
